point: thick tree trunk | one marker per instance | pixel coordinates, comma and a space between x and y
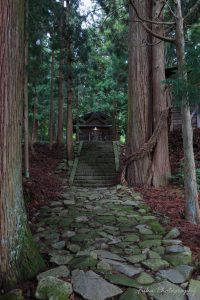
60, 82
191, 193
26, 121
115, 135
51, 117
70, 147
69, 133
77, 115
139, 95
35, 120
161, 164
19, 258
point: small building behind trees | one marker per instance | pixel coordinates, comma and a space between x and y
95, 126
175, 121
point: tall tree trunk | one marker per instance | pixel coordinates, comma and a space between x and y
70, 147
51, 118
69, 133
77, 114
115, 135
191, 193
60, 80
19, 258
26, 121
161, 164
35, 120
139, 95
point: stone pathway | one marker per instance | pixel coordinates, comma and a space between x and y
102, 243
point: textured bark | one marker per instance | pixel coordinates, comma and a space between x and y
51, 117
161, 164
191, 193
69, 79
35, 120
139, 95
26, 121
19, 258
77, 116
70, 148
60, 81
115, 133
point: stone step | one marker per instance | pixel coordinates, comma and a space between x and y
89, 174
99, 166
98, 181
89, 184
96, 166
102, 158
96, 171
95, 177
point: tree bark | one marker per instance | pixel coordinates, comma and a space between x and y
69, 133
26, 120
161, 163
192, 211
19, 258
60, 82
115, 135
35, 121
51, 117
139, 172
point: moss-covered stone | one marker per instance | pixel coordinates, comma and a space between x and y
133, 294
131, 238
155, 264
156, 226
150, 243
144, 278
122, 280
53, 288
178, 259
83, 263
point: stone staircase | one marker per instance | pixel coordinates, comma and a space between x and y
96, 166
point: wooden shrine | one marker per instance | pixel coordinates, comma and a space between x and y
95, 126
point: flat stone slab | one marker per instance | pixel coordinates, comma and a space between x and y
59, 245
133, 294
92, 286
145, 278
61, 259
136, 258
126, 269
166, 291
172, 275
186, 271
173, 234
122, 280
108, 255
194, 290
69, 202
59, 272
155, 264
